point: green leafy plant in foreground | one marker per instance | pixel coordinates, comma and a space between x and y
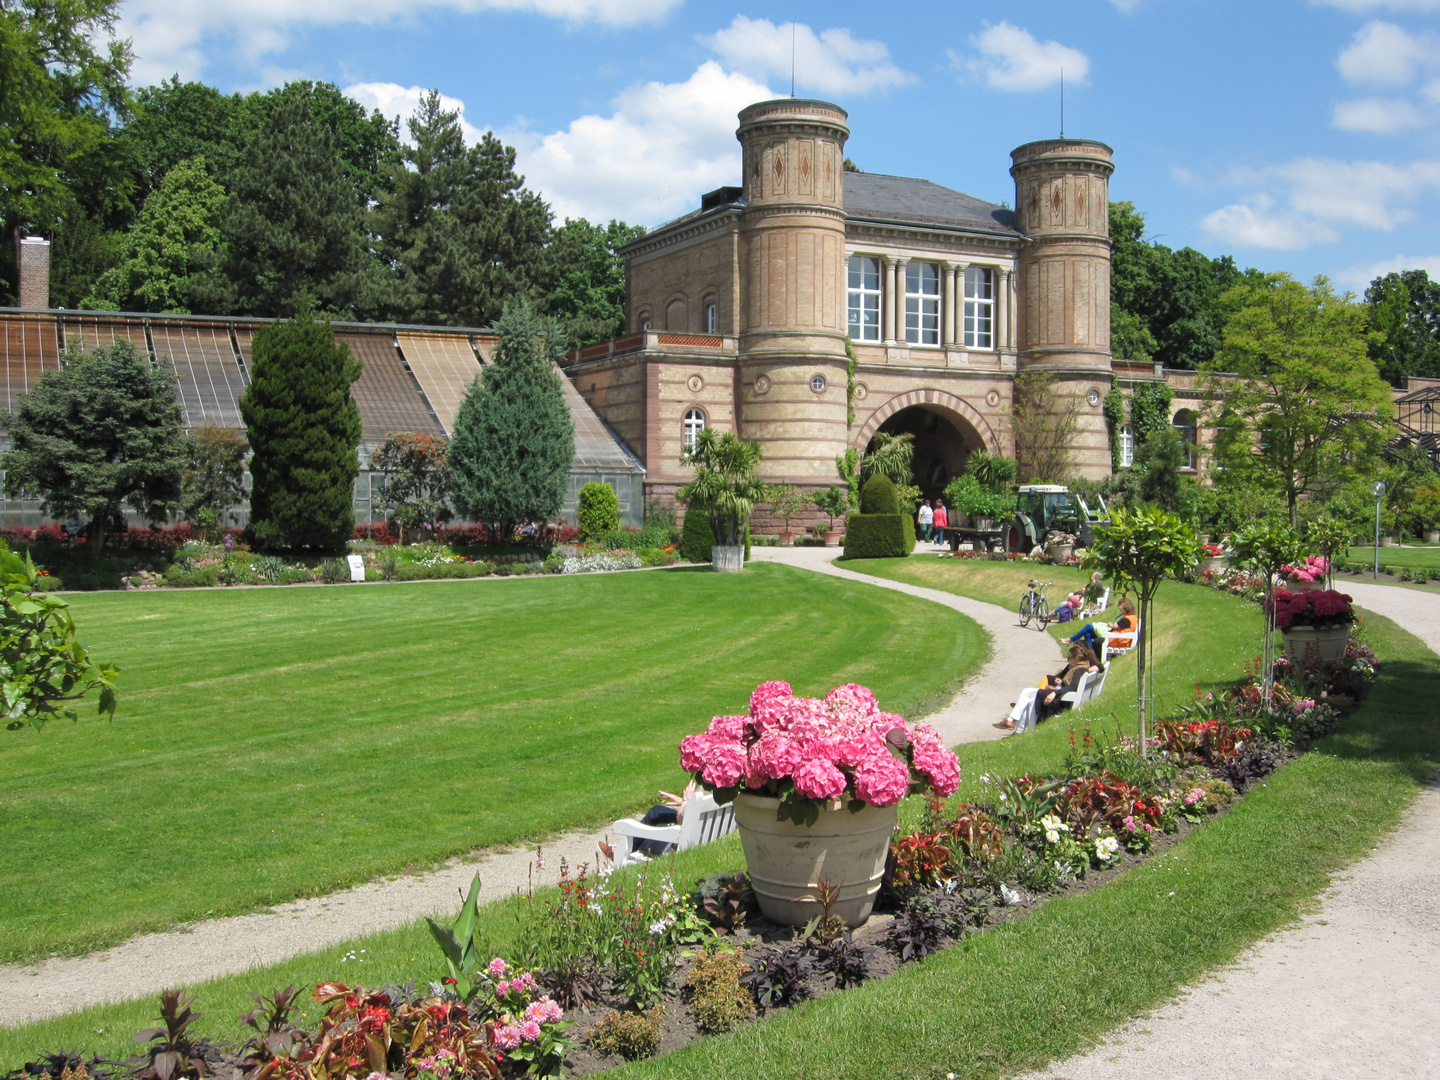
43, 666
457, 942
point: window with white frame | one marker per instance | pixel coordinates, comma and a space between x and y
694, 424
712, 318
922, 303
1127, 446
864, 298
979, 307
1185, 427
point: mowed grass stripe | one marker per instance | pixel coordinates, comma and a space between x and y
278, 743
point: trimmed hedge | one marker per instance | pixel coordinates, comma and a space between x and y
696, 537
879, 536
598, 511
879, 496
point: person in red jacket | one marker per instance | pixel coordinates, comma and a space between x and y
940, 522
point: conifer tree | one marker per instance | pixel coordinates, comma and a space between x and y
304, 428
514, 440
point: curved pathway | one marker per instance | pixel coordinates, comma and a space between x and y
145, 965
1352, 990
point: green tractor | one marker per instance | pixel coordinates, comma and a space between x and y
1042, 509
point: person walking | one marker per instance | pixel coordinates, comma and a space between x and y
925, 519
940, 521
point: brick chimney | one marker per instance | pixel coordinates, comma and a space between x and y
32, 270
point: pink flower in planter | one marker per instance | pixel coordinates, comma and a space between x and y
725, 764
775, 755
819, 779
934, 761
882, 780
732, 728
770, 703
852, 701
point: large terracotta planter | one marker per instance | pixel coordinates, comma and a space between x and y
1329, 642
787, 539
787, 862
832, 538
728, 559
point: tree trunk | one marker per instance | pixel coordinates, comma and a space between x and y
95, 536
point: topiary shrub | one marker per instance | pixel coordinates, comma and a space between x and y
878, 496
598, 511
696, 537
879, 536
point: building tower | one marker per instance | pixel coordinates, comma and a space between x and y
1062, 206
792, 366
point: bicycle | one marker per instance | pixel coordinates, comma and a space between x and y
1034, 605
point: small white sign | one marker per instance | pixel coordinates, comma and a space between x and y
357, 567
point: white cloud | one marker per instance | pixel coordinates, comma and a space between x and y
1380, 115
1360, 276
1308, 200
1011, 59
1258, 224
651, 158
1126, 6
1383, 54
832, 62
400, 103
172, 35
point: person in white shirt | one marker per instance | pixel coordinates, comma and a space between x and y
926, 518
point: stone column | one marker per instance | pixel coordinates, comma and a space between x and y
960, 269
1002, 308
889, 300
947, 319
900, 265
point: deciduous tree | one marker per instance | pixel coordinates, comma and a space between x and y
214, 478
418, 479
1405, 310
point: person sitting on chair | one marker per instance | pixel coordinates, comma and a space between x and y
1092, 633
670, 812
1049, 700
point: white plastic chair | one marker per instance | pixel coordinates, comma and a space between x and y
1081, 693
704, 822
1097, 608
1022, 713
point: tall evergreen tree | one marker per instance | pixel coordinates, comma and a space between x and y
297, 223
100, 434
514, 440
304, 429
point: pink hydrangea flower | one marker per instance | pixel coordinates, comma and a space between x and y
819, 779
725, 763
852, 701
934, 761
775, 755
881, 780
729, 727
769, 703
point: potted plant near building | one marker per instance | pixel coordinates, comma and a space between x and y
1212, 557
786, 502
833, 503
1061, 545
983, 508
816, 786
725, 489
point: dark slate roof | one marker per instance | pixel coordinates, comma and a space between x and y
902, 200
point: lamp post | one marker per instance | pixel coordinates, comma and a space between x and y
1378, 490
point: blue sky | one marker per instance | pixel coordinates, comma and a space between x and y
1298, 135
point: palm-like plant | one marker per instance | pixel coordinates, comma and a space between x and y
725, 488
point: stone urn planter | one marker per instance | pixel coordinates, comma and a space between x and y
787, 539
1328, 642
1432, 536
787, 863
1060, 552
1387, 541
832, 537
1213, 563
727, 559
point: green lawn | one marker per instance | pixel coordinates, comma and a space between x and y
1396, 556
1015, 997
274, 743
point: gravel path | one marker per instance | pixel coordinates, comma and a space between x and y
143, 966
1351, 991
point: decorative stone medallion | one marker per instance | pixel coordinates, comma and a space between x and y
762, 384
695, 383
861, 391
992, 398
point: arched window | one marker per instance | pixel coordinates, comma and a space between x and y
694, 424
1127, 446
922, 303
1185, 427
644, 322
677, 316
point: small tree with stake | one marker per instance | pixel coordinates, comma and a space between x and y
786, 501
1264, 549
1139, 550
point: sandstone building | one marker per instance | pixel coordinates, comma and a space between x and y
739, 311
